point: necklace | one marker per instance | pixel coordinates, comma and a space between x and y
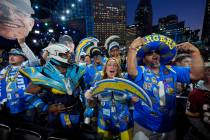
8, 77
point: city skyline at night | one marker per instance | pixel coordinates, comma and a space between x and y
190, 11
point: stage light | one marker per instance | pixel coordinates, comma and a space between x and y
64, 28
36, 7
79, 0
37, 25
37, 32
67, 11
50, 30
66, 32
34, 41
72, 5
63, 18
46, 24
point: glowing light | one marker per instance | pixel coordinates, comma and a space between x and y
50, 30
36, 7
63, 18
72, 5
46, 24
34, 41
37, 32
67, 11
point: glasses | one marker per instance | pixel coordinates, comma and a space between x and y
152, 52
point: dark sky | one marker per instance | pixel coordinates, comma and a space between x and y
191, 11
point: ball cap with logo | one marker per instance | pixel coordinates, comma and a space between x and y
95, 51
16, 51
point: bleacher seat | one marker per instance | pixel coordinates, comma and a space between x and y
4, 132
55, 138
24, 134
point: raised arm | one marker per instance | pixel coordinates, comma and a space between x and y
32, 59
131, 60
197, 69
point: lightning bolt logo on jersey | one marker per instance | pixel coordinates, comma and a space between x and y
12, 89
161, 89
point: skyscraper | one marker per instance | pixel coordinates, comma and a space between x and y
175, 29
109, 19
130, 34
97, 18
143, 18
206, 24
77, 13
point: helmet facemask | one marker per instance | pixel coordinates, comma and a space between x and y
58, 54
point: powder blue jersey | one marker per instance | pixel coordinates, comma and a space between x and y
12, 86
92, 74
113, 111
161, 117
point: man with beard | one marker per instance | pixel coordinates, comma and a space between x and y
12, 86
159, 81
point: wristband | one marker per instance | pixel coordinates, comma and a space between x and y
132, 48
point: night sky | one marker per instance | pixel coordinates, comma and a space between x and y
191, 11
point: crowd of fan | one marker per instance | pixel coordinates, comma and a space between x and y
43, 109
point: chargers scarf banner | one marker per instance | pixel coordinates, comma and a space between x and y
121, 85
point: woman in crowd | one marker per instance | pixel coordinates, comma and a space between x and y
114, 117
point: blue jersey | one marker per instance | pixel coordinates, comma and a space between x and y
161, 118
113, 111
12, 86
59, 89
92, 74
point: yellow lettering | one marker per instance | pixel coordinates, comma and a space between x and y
8, 88
148, 39
156, 37
168, 42
162, 38
172, 45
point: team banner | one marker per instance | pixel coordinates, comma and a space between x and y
121, 85
15, 18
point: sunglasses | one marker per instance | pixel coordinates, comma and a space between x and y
152, 52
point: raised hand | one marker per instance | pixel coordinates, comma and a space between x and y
137, 43
187, 47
